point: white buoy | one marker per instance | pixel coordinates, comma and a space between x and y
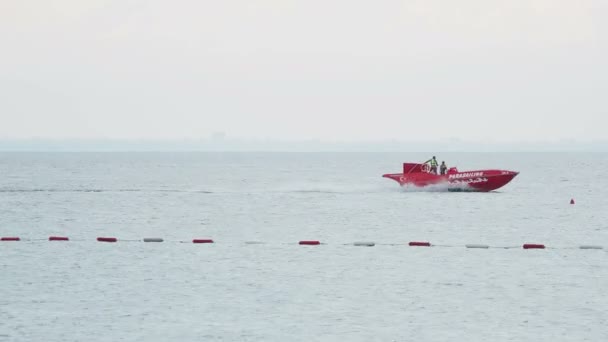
153, 240
591, 247
476, 245
365, 243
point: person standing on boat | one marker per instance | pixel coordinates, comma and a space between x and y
443, 168
433, 162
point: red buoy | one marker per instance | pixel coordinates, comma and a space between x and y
10, 238
572, 201
202, 241
107, 239
309, 242
419, 243
58, 238
533, 246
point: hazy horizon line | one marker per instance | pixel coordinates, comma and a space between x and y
310, 145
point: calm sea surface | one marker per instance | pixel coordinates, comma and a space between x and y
84, 290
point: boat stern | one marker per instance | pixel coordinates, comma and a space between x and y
397, 177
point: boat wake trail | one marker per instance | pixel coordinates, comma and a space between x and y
332, 189
101, 190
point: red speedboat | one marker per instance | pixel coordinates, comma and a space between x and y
419, 175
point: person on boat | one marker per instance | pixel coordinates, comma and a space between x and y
433, 162
443, 168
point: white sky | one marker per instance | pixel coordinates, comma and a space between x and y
308, 69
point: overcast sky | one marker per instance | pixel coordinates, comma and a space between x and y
308, 69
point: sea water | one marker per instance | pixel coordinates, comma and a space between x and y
277, 290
